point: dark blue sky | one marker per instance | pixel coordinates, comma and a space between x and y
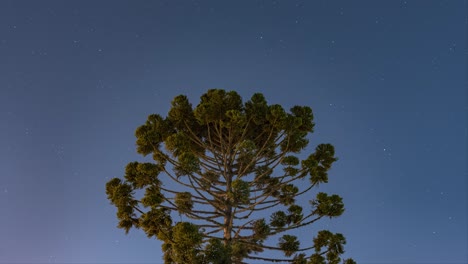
386, 81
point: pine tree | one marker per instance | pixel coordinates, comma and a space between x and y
222, 167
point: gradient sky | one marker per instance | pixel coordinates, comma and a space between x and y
386, 81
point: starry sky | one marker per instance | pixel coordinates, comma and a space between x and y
386, 81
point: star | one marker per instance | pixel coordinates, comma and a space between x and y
452, 47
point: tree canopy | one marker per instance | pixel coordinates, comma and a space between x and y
231, 173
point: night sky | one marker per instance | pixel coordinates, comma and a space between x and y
386, 81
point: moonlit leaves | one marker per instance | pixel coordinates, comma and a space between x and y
209, 178
153, 197
300, 259
186, 244
121, 195
184, 202
289, 162
158, 223
235, 118
334, 247
257, 109
331, 206
324, 154
289, 244
295, 214
178, 144
240, 192
303, 118
246, 152
318, 163
215, 252
297, 125
215, 104
239, 251
142, 174
276, 116
181, 113
287, 194
188, 163
262, 175
151, 134
280, 219
261, 229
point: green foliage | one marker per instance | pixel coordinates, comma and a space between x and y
349, 261
331, 206
178, 143
121, 195
261, 230
262, 176
151, 134
299, 259
232, 161
186, 244
287, 194
239, 251
278, 219
181, 114
317, 259
214, 105
240, 192
215, 252
333, 243
184, 202
318, 163
289, 244
187, 164
295, 214
209, 178
153, 197
157, 223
